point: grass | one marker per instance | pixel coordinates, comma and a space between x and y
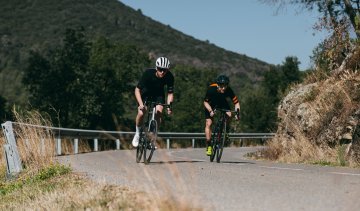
323, 163
57, 188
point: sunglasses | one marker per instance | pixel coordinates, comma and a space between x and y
222, 85
162, 70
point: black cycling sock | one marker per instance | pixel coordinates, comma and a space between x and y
208, 143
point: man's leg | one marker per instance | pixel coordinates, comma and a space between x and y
208, 124
158, 116
138, 122
228, 121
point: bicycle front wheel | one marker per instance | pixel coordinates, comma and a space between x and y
140, 149
149, 149
213, 150
151, 137
152, 131
220, 147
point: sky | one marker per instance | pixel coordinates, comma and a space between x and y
243, 26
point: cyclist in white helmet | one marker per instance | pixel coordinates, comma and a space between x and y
151, 87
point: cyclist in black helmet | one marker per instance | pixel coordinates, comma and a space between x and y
216, 97
151, 87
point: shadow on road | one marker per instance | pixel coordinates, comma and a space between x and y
175, 161
237, 162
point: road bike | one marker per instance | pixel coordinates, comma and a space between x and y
148, 133
219, 134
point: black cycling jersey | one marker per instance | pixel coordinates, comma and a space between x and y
217, 99
152, 86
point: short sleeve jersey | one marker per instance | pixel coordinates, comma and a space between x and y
150, 85
219, 100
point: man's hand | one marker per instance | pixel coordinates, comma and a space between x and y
237, 115
142, 107
212, 113
169, 111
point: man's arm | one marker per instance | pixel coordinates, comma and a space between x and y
170, 99
138, 98
237, 108
208, 107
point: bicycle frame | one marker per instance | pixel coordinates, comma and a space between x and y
219, 135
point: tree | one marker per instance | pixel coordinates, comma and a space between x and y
190, 87
290, 72
114, 71
259, 110
342, 19
83, 84
2, 109
53, 82
334, 12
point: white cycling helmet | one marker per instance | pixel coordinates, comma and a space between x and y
163, 63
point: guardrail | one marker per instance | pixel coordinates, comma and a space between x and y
13, 159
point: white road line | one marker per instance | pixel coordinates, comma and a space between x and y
269, 167
351, 174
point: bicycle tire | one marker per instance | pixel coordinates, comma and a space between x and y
220, 147
149, 149
213, 150
149, 146
140, 149
214, 141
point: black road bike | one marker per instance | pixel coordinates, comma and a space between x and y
219, 134
148, 133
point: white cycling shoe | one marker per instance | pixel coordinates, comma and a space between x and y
135, 141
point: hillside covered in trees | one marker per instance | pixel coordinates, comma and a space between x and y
78, 62
40, 25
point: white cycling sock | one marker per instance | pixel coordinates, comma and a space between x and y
138, 129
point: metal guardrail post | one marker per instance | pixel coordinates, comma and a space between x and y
168, 143
76, 146
96, 145
117, 144
58, 146
13, 162
193, 143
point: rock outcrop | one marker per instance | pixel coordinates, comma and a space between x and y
322, 116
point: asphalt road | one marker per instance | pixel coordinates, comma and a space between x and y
187, 175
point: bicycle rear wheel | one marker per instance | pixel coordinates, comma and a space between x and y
214, 141
149, 146
213, 150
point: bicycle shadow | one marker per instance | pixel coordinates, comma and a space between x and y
238, 162
175, 161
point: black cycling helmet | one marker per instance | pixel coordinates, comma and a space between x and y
222, 79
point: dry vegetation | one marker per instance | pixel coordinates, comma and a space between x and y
62, 193
319, 122
46, 185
